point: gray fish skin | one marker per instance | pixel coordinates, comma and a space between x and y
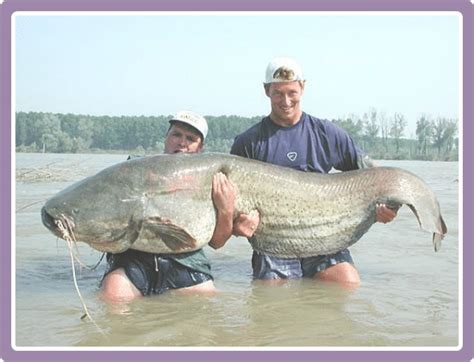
163, 204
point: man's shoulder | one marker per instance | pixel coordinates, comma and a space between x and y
331, 134
320, 124
245, 141
251, 133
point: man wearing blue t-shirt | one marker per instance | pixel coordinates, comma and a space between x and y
291, 138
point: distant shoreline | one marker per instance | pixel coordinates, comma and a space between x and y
378, 136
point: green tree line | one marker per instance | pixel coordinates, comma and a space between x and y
380, 136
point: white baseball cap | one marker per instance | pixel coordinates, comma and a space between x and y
283, 70
193, 119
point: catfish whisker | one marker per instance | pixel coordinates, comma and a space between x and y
66, 235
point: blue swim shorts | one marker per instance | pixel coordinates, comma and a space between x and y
154, 273
271, 267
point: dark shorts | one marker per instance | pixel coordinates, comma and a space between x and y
271, 267
154, 273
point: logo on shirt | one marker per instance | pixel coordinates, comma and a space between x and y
292, 156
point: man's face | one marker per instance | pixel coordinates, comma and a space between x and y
285, 101
182, 139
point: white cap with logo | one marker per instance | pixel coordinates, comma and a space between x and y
192, 119
283, 70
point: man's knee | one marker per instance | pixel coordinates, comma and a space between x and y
343, 273
117, 287
206, 287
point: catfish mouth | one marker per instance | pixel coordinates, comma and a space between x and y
60, 226
49, 221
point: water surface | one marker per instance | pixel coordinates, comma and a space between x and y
408, 296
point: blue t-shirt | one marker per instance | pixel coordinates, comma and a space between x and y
310, 145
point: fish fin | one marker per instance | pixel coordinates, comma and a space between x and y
437, 241
437, 237
174, 236
444, 228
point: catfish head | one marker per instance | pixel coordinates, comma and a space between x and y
103, 211
155, 204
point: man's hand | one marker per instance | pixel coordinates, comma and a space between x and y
224, 194
385, 214
246, 225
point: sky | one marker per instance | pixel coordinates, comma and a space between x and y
156, 64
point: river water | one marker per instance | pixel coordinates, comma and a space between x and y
408, 298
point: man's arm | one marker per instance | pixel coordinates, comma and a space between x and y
383, 213
224, 194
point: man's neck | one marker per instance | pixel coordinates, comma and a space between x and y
286, 122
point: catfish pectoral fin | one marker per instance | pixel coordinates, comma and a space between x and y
174, 236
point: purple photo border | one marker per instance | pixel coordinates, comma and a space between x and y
8, 7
